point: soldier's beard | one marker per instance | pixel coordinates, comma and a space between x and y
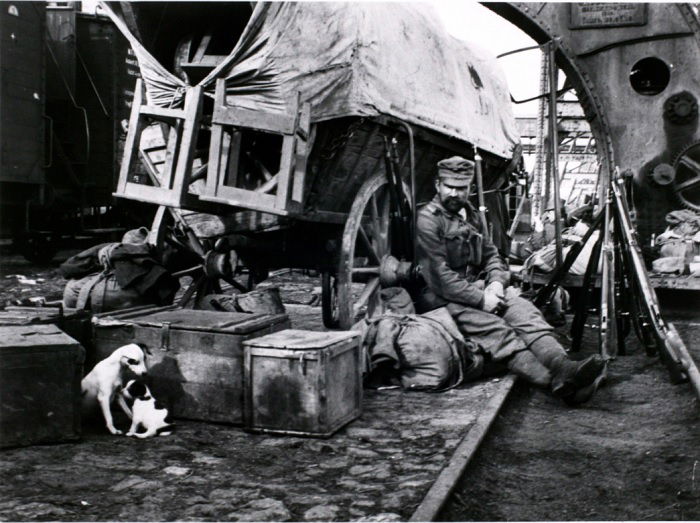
453, 204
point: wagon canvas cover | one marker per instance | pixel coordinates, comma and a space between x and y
355, 59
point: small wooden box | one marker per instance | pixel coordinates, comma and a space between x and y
302, 382
196, 357
40, 372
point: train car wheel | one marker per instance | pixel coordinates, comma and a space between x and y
367, 238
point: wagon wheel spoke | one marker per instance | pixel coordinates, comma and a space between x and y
372, 234
364, 298
380, 220
187, 272
195, 286
367, 244
329, 299
374, 213
365, 270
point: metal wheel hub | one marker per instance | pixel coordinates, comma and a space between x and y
393, 272
663, 174
219, 264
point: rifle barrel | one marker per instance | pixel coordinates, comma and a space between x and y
480, 190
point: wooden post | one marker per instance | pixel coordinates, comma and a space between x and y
172, 149
216, 167
188, 142
287, 160
554, 148
303, 141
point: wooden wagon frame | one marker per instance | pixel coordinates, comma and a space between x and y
342, 226
270, 184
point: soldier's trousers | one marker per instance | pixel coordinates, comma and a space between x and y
515, 330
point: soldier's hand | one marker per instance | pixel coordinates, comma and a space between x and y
492, 303
496, 287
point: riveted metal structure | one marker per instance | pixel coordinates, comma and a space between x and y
636, 70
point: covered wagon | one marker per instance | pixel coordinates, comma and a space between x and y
303, 134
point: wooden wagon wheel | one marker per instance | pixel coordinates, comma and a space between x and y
367, 238
329, 300
206, 267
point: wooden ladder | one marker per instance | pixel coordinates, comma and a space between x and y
283, 194
170, 160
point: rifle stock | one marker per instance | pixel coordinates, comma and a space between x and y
677, 348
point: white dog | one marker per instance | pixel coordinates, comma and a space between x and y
147, 413
103, 382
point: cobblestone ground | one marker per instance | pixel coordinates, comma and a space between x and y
377, 468
383, 463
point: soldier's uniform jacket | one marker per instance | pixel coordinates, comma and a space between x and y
454, 253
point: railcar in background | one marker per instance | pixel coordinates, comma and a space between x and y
67, 81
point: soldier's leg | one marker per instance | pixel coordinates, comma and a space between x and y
527, 366
491, 332
501, 342
568, 376
525, 319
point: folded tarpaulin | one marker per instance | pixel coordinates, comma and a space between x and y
355, 59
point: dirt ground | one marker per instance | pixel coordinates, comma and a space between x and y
630, 454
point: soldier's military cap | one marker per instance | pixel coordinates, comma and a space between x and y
456, 171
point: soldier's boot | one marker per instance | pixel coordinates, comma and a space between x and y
568, 376
527, 366
584, 394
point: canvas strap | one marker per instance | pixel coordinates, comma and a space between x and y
86, 290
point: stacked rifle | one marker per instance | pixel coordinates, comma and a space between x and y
401, 224
627, 298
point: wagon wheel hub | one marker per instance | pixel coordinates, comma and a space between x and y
220, 264
393, 272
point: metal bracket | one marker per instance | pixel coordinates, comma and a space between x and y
165, 336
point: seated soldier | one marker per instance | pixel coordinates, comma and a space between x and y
463, 271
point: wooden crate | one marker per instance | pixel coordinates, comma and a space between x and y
75, 323
40, 372
196, 357
302, 382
